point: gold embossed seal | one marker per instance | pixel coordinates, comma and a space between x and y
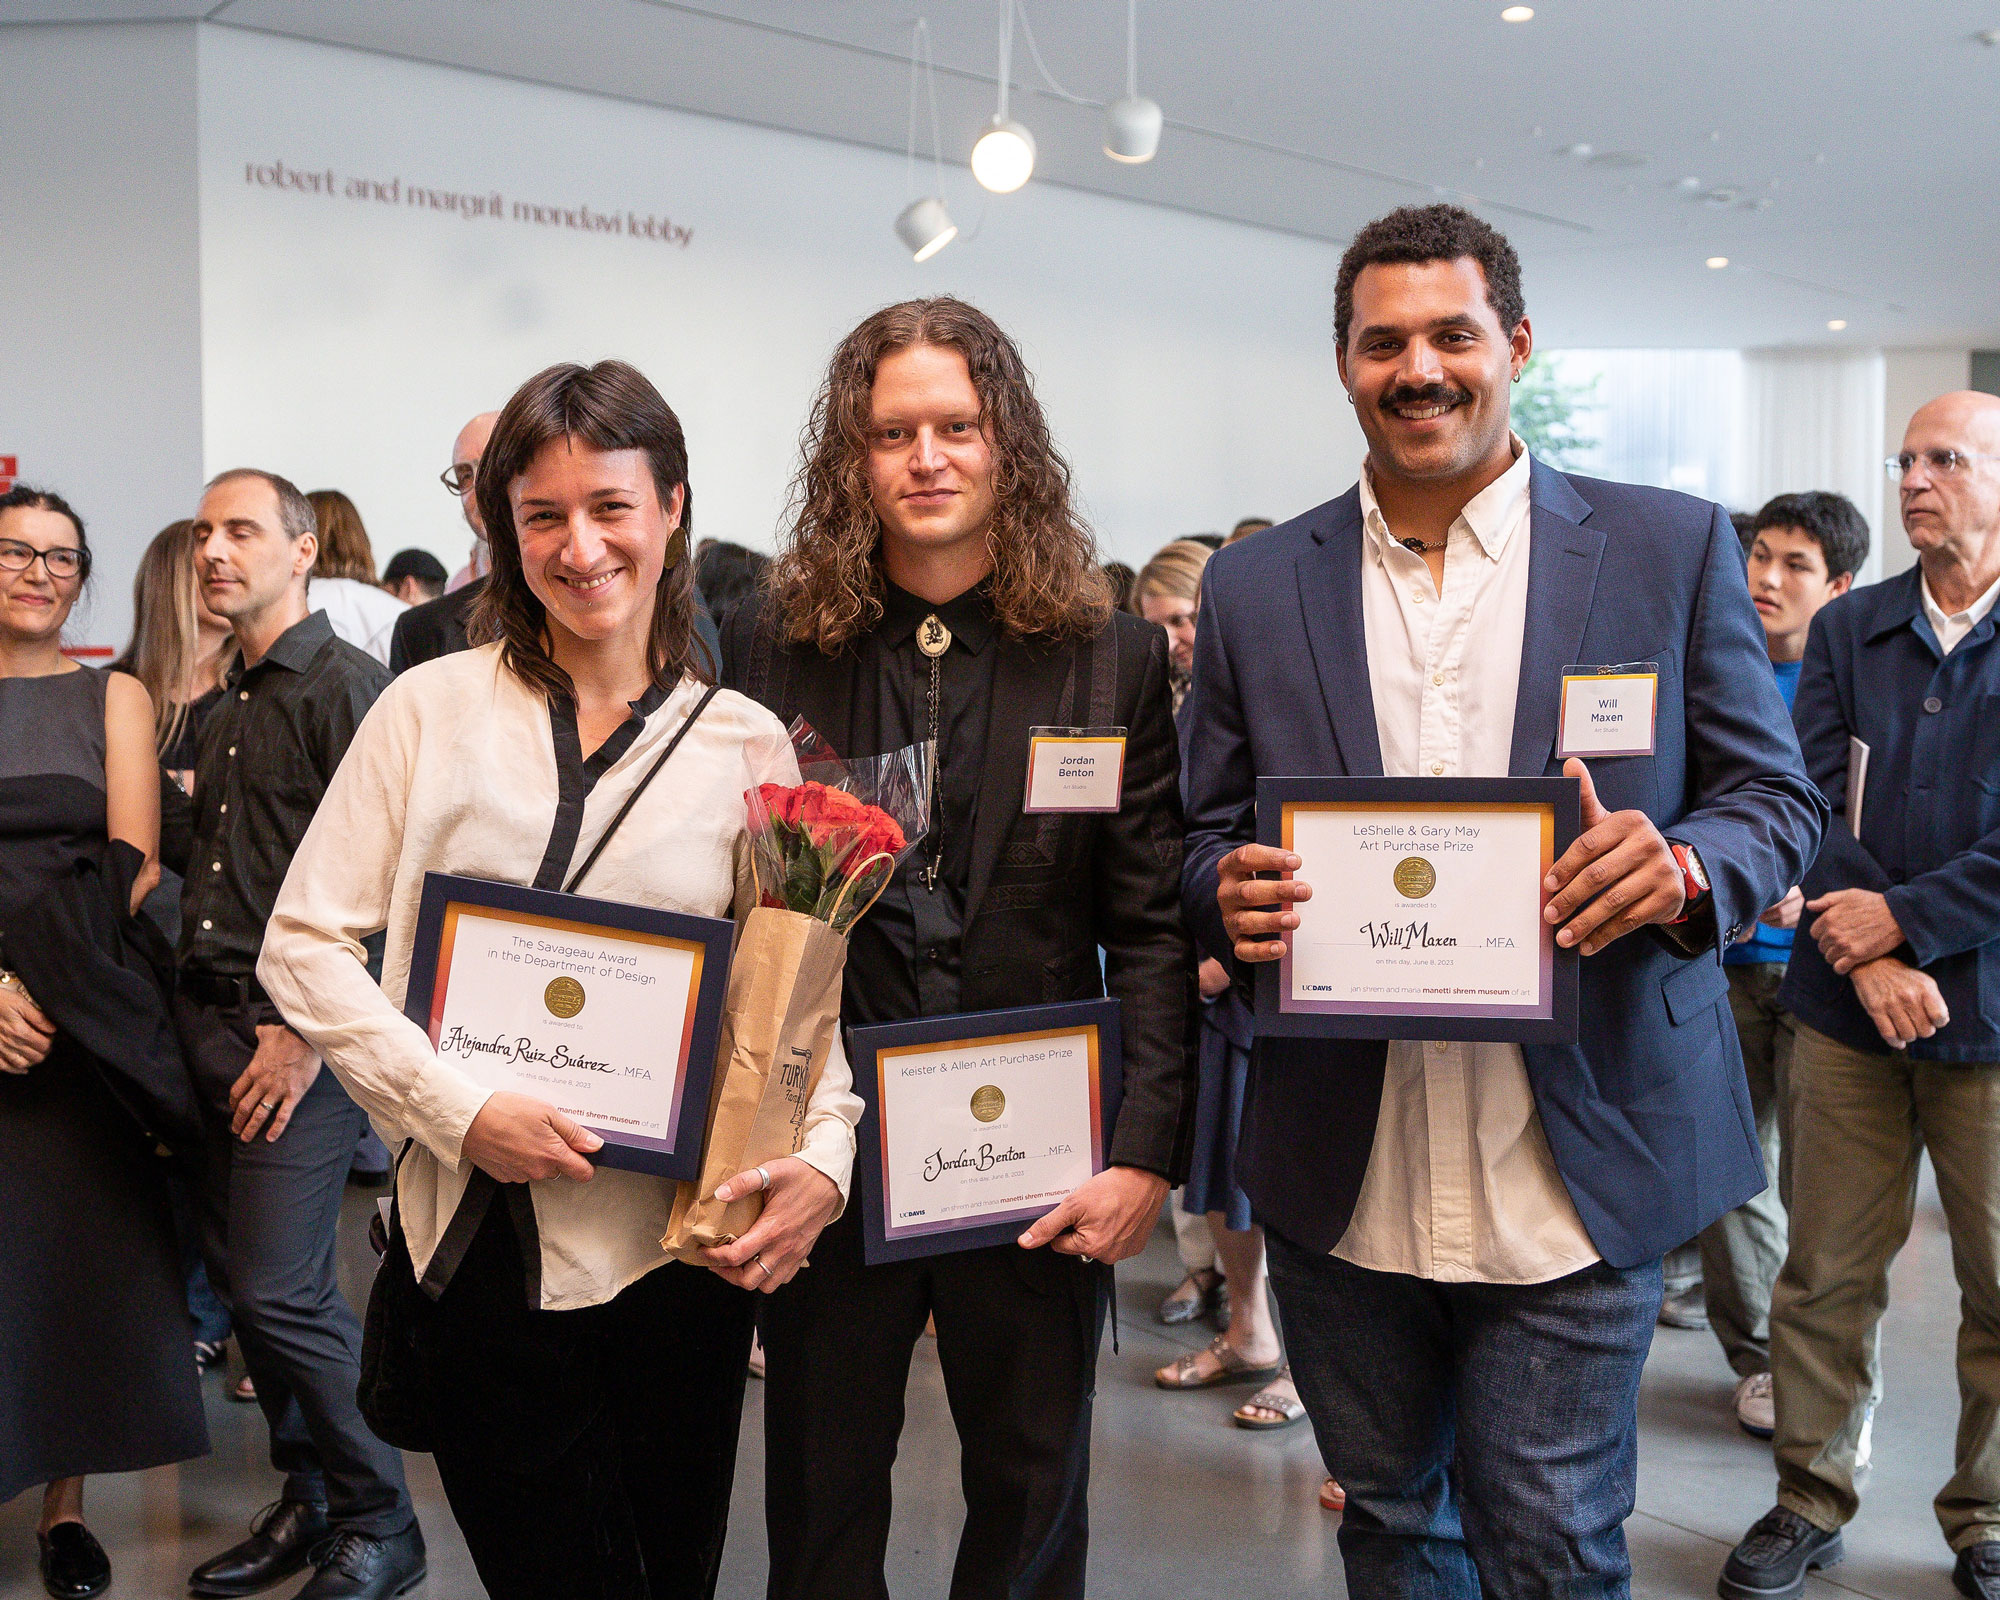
987, 1103
1414, 877
563, 997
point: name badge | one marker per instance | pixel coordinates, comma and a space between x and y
1608, 711
1075, 769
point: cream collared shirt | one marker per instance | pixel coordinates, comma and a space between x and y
454, 770
1951, 629
1460, 1184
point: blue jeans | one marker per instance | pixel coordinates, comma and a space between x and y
1486, 1434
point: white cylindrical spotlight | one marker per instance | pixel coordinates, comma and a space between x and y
1004, 158
926, 227
1132, 129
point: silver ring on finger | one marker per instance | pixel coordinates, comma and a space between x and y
265, 1105
759, 1259
763, 1178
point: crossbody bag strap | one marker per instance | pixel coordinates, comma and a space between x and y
639, 788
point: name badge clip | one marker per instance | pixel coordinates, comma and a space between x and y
1609, 710
1075, 769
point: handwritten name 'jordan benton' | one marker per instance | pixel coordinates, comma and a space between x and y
1405, 936
460, 1043
937, 1163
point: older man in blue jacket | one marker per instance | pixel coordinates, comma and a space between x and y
1466, 1238
1895, 980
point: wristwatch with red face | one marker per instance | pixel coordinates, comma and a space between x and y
1694, 880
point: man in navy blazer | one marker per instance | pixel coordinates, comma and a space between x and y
1465, 1238
1892, 982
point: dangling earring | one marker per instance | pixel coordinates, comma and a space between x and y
1517, 377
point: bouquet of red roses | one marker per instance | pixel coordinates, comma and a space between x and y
822, 851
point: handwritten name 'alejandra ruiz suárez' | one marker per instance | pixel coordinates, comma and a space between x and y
937, 1163
459, 1042
1405, 936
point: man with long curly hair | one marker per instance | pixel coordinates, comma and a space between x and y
937, 584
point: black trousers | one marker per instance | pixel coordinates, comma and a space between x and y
589, 1454
270, 1217
1017, 1331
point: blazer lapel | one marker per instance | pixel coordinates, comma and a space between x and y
1027, 688
1563, 559
1330, 596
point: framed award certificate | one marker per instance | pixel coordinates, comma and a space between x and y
1425, 920
609, 1012
973, 1126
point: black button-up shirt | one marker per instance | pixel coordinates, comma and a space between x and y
903, 957
268, 751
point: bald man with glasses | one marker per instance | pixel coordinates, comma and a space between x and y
1897, 951
437, 627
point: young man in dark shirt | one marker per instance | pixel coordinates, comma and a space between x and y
282, 1132
937, 585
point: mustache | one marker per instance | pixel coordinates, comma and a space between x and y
1426, 394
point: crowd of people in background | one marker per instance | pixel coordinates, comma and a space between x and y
160, 1109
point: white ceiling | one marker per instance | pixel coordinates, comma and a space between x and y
1841, 153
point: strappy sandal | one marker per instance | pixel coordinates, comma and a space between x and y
1286, 1404
1192, 1298
1185, 1372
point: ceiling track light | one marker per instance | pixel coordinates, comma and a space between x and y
1004, 157
1132, 125
924, 226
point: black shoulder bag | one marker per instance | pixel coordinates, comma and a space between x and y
397, 1335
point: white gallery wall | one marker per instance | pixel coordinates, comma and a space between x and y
394, 279
100, 313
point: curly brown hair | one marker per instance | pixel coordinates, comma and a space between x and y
826, 583
610, 406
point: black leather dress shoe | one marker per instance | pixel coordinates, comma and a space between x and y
281, 1543
1776, 1554
355, 1566
75, 1567
1977, 1573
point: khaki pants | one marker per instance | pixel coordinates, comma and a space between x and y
1742, 1251
1856, 1125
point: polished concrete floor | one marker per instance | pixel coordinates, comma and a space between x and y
1182, 1504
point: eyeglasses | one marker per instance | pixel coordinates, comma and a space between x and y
1944, 463
458, 478
65, 561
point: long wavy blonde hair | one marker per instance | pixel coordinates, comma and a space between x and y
826, 583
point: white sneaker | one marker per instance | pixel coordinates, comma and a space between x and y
1756, 1410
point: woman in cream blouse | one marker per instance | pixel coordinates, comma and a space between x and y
589, 1389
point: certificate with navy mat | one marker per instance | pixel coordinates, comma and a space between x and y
974, 1125
1426, 916
609, 1012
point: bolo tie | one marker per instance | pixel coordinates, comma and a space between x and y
933, 639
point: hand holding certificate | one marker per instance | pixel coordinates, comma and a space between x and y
1426, 917
973, 1125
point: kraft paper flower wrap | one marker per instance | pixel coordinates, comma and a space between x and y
822, 851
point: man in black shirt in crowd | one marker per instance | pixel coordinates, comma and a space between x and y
957, 599
282, 1132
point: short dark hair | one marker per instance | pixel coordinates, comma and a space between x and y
1432, 233
1832, 521
26, 494
295, 512
610, 406
418, 564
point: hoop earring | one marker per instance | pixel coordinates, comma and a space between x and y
1350, 396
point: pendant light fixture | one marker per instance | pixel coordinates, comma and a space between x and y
924, 226
1004, 157
1132, 125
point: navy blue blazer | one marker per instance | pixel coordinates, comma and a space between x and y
1648, 1115
1930, 817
